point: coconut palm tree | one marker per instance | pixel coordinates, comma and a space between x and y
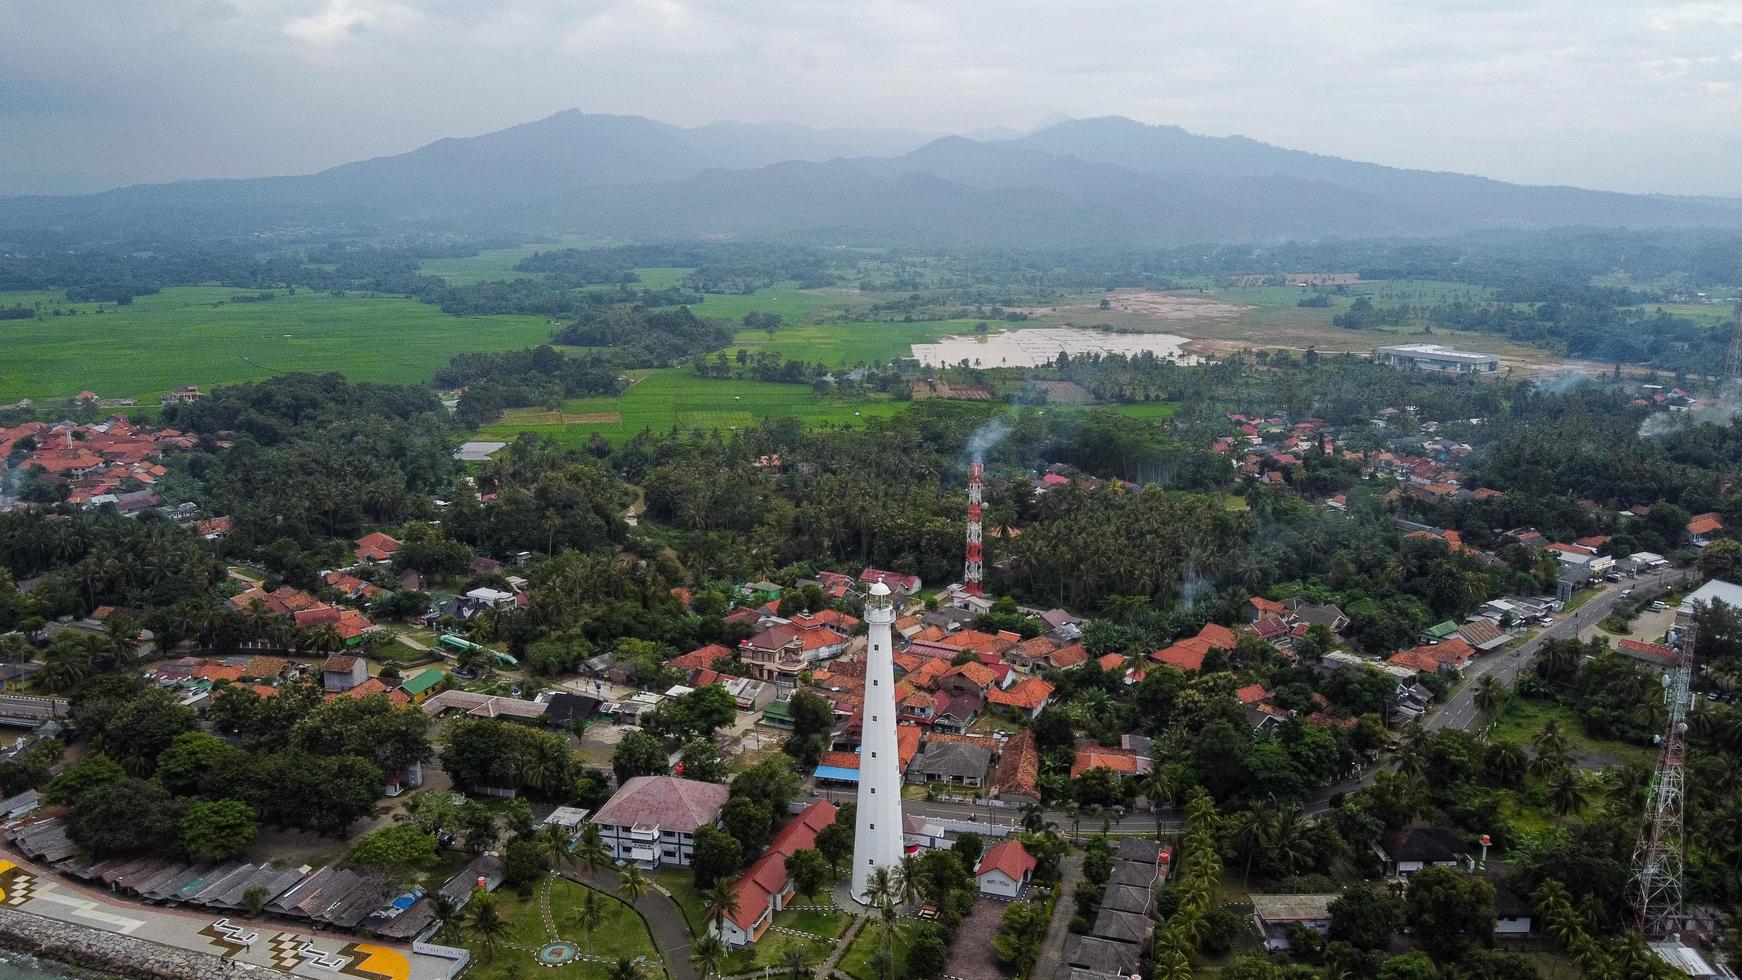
706, 953
485, 923
719, 903
321, 638
910, 879
793, 961
1491, 698
591, 851
443, 910
1246, 834
1507, 763
590, 914
1567, 793
554, 842
1286, 839
632, 884
624, 969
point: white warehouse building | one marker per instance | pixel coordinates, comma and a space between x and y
1433, 357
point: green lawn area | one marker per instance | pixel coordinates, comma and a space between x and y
194, 335
1525, 717
677, 397
813, 921
795, 305
623, 934
771, 949
857, 962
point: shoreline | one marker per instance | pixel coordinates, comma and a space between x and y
99, 955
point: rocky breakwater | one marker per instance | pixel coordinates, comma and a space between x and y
114, 953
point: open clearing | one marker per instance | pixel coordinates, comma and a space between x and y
1270, 317
194, 335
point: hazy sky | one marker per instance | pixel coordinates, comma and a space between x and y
1621, 94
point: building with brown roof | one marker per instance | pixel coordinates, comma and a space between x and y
1016, 778
651, 821
1027, 696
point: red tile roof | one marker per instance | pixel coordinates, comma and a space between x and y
1705, 523
1070, 656
1009, 857
376, 546
1028, 694
1121, 761
1018, 769
1252, 694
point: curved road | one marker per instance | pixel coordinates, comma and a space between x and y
1458, 712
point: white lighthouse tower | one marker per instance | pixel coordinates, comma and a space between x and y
879, 833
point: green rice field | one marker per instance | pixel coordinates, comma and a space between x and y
677, 397
194, 335
846, 344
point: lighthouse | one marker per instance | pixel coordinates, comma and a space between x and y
879, 833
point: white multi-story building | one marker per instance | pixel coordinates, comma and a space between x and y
651, 821
879, 829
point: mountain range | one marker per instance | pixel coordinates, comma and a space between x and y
1106, 181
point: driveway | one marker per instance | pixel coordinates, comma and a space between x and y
663, 917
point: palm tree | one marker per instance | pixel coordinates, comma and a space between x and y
1033, 818
910, 880
1246, 834
1491, 698
1550, 742
444, 910
706, 953
1160, 787
590, 914
591, 852
1567, 794
719, 903
1287, 841
1507, 763
485, 923
624, 969
323, 637
554, 841
632, 884
793, 961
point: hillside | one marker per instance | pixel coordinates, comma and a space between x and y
1090, 181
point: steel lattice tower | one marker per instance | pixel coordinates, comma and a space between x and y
972, 567
1658, 857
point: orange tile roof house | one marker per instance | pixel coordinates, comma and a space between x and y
376, 547
1703, 526
1123, 762
765, 888
1005, 870
1065, 658
1027, 696
1188, 655
1030, 651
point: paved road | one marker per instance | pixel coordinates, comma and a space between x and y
1052, 948
1459, 712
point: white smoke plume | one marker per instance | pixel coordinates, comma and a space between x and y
1561, 382
985, 437
1661, 424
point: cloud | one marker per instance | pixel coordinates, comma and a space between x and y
1641, 95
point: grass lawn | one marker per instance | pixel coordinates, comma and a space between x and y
813, 921
770, 951
623, 934
488, 265
194, 335
1525, 717
1143, 410
857, 962
677, 397
1579, 599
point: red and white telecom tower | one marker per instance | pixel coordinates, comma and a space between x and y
1659, 855
971, 568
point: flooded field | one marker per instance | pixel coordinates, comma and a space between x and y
1042, 345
